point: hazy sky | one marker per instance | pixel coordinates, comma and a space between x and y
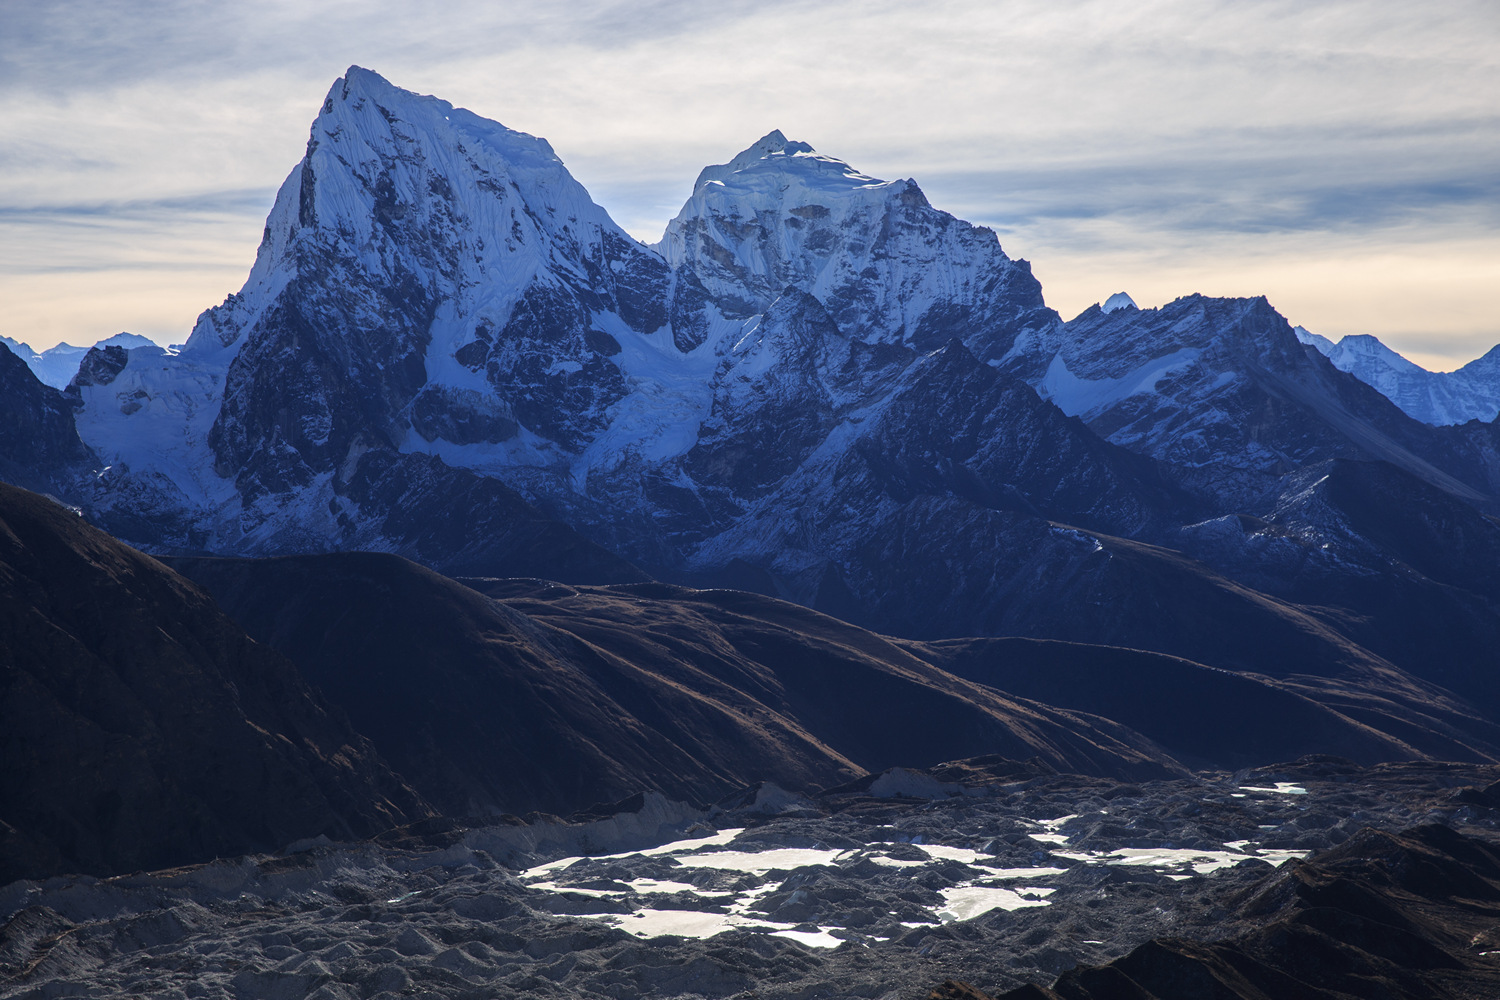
1341, 158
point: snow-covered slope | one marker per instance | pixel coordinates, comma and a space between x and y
1224, 389
1470, 393
886, 265
429, 281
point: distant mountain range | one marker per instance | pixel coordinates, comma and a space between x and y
816, 386
1470, 393
56, 366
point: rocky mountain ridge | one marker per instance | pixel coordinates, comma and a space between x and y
141, 727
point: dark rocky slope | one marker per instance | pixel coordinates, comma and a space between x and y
1404, 569
39, 444
1161, 697
557, 697
515, 694
1408, 916
141, 727
1205, 716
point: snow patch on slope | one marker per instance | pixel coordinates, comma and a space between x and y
1081, 397
154, 418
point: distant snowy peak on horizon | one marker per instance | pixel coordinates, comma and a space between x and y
1439, 398
57, 365
1119, 300
1323, 344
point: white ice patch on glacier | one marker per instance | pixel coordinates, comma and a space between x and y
964, 899
1281, 787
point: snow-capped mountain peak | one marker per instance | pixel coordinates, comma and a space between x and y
428, 281
771, 143
1119, 300
886, 265
1322, 344
1470, 393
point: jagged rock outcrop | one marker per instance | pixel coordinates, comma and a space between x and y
1223, 389
39, 443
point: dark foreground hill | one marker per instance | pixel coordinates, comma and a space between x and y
140, 726
507, 695
559, 697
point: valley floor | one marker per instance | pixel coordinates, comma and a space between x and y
991, 873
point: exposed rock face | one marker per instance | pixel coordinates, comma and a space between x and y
100, 366
39, 444
141, 727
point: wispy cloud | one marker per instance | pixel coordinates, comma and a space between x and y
256, 201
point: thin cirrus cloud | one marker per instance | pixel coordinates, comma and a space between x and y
1338, 156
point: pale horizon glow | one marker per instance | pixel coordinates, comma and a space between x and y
1340, 158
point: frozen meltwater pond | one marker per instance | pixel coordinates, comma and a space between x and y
735, 881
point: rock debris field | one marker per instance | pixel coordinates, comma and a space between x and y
879, 889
